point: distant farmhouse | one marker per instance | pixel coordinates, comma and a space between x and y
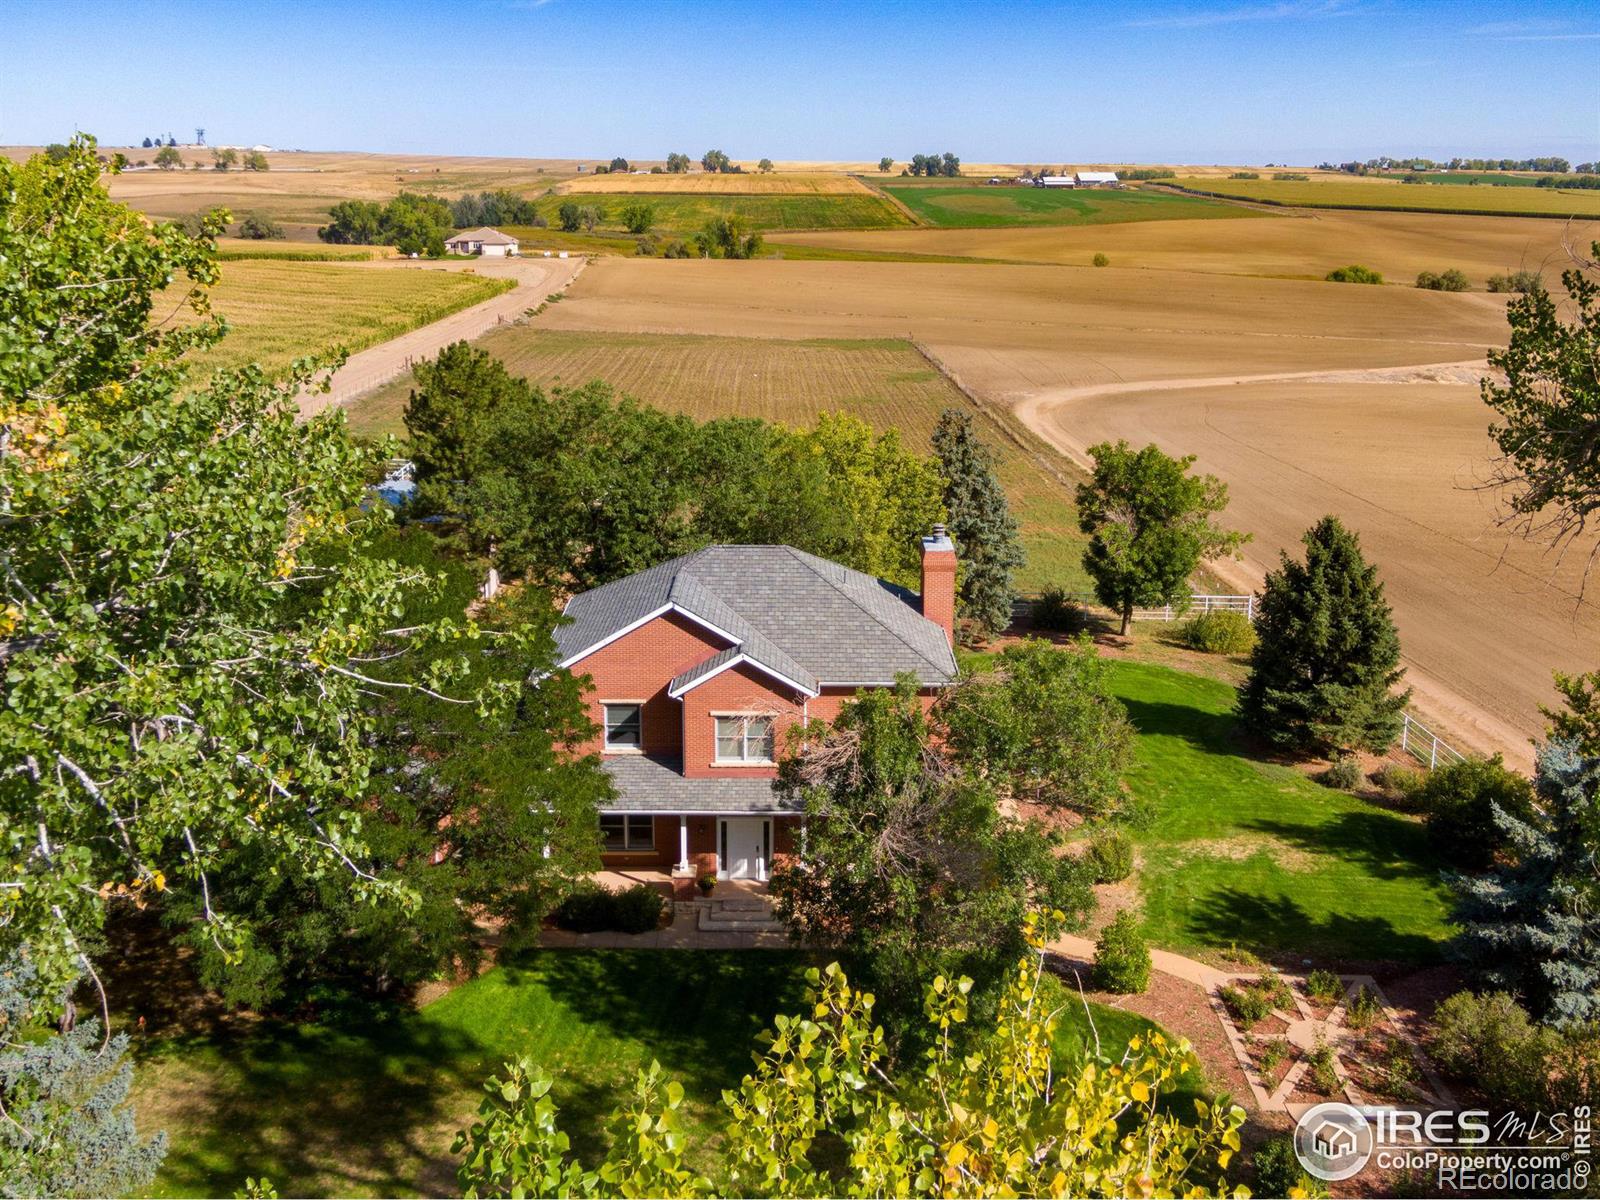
490, 243
1081, 179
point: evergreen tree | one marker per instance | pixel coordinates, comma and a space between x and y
1327, 657
1534, 925
980, 522
69, 1129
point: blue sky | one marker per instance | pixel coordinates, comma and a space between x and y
1146, 80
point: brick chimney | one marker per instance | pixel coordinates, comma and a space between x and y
939, 580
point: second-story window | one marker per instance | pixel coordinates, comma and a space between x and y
744, 739
624, 727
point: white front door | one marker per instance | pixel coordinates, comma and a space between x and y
744, 847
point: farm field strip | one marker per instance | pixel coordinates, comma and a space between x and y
884, 382
1390, 194
1304, 245
746, 183
687, 213
279, 311
978, 206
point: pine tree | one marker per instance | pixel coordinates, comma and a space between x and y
980, 522
70, 1130
1327, 657
1533, 925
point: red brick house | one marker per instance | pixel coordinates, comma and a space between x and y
702, 663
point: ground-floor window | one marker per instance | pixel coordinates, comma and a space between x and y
627, 831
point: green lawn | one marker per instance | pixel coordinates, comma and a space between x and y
981, 206
1247, 852
366, 1104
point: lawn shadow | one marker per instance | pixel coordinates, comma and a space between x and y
1231, 917
695, 1011
1382, 844
360, 1104
1215, 733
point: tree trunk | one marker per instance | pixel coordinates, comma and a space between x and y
1127, 618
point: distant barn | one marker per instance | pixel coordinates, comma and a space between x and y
1056, 181
1097, 179
490, 243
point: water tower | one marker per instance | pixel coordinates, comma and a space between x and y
199, 136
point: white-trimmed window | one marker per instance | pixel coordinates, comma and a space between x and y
627, 831
624, 726
744, 739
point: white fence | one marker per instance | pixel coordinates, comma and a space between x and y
1425, 745
1201, 602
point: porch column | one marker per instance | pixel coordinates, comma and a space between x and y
683, 842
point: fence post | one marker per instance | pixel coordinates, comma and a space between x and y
1433, 754
1250, 606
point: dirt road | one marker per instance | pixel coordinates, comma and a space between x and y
1400, 455
536, 278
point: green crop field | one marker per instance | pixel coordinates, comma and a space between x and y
1388, 194
279, 311
980, 206
885, 382
681, 214
1479, 178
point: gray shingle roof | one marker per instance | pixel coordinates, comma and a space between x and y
657, 785
809, 619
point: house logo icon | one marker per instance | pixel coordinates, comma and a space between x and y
1333, 1141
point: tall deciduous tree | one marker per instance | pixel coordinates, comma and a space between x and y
1549, 410
1042, 727
677, 163
715, 161
910, 867
1326, 664
1533, 925
187, 617
980, 522
990, 1113
885, 164
1150, 525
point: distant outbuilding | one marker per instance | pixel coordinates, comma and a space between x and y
1056, 181
1097, 179
490, 243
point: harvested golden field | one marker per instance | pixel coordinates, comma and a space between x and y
784, 183
1326, 192
884, 381
280, 311
1387, 457
1299, 245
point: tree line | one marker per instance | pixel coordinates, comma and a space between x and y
1556, 165
574, 487
420, 224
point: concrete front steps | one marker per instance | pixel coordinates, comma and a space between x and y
737, 914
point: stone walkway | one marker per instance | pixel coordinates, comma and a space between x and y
696, 925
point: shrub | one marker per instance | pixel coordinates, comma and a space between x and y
589, 909
1110, 857
645, 247
676, 248
1323, 1075
1219, 633
1458, 802
1272, 1055
1291, 176
1405, 783
1399, 1062
1364, 1009
1354, 273
638, 909
1247, 1004
1450, 280
1245, 175
1278, 1170
593, 909
1121, 958
1343, 773
1524, 281
1100, 260
1491, 1041
259, 227
1052, 611
1324, 986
